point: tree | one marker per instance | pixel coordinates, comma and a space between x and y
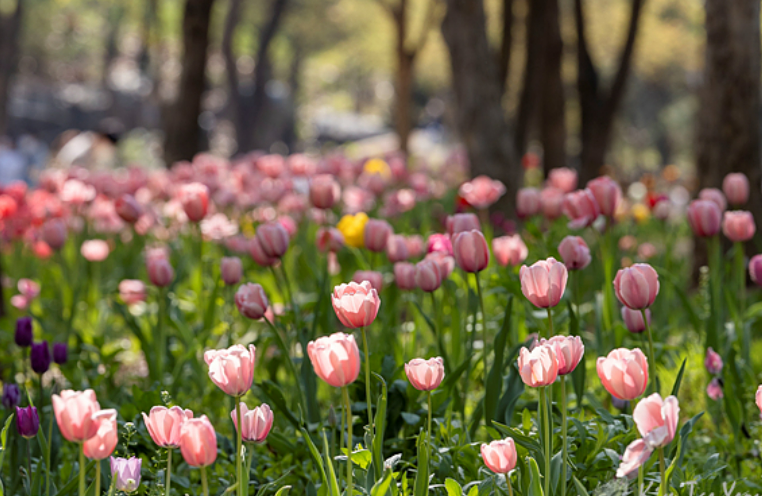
181, 117
598, 105
10, 32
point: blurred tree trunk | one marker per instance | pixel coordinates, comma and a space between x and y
529, 102
114, 17
10, 32
231, 67
478, 97
598, 106
181, 118
506, 44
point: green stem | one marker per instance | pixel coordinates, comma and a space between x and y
204, 485
715, 273
47, 456
290, 294
563, 435
487, 418
367, 380
651, 357
81, 469
550, 323
162, 347
29, 461
641, 476
250, 452
169, 472
290, 362
508, 481
429, 427
97, 478
741, 276
239, 442
662, 467
348, 406
546, 424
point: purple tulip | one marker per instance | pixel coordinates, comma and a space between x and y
60, 353
11, 396
23, 335
127, 473
40, 357
27, 421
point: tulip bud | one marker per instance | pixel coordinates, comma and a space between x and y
11, 396
704, 218
738, 226
377, 234
552, 202
54, 233
633, 319
581, 208
607, 194
27, 421
396, 248
126, 471
60, 353
637, 286
128, 208
160, 272
256, 422
736, 188
231, 270
528, 202
715, 196
714, 389
375, 278
40, 357
428, 276
471, 251
462, 222
273, 238
574, 252
132, 291
713, 362
425, 375
509, 250
251, 301
500, 456
329, 239
24, 334
563, 178
194, 198
324, 191
404, 275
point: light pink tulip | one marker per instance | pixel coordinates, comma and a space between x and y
738, 225
164, 425
231, 270
552, 202
335, 358
624, 373
563, 178
28, 288
198, 442
377, 234
633, 319
509, 250
324, 191
607, 194
704, 217
528, 202
356, 304
75, 414
329, 239
404, 275
713, 362
95, 250
396, 248
581, 208
736, 188
715, 196
500, 456
758, 398
273, 238
755, 269
462, 222
128, 208
569, 351
425, 375
538, 367
544, 283
256, 422
714, 389
636, 454
637, 286
194, 198
574, 252
657, 419
481, 192
375, 278
132, 291
103, 443
471, 251
232, 370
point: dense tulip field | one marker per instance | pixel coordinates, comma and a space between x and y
331, 327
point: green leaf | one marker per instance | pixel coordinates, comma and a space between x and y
381, 488
421, 487
581, 491
333, 483
495, 378
679, 379
453, 488
535, 484
362, 458
275, 395
4, 437
283, 491
579, 375
316, 457
379, 423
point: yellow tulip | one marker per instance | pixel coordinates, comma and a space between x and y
353, 229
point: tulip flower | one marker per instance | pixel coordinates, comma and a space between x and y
258, 254
636, 454
11, 396
55, 233
736, 188
232, 369
755, 269
552, 203
471, 251
509, 250
126, 471
528, 202
563, 178
738, 226
414, 245
425, 375
481, 192
194, 198
704, 217
377, 234
428, 276
581, 208
103, 443
27, 421
396, 248
198, 442
637, 286
462, 222
607, 194
231, 270
95, 250
404, 275
500, 456
356, 304
574, 252
714, 389
624, 373
132, 291
353, 229
256, 422
439, 243
164, 425
713, 362
128, 208
715, 196
160, 272
40, 357
251, 301
329, 239
375, 278
633, 319
60, 353
324, 191
543, 284
273, 238
24, 336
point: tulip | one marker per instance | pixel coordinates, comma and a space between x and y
11, 396
194, 198
481, 192
198, 442
329, 239
543, 283
28, 288
24, 334
126, 471
471, 251
428, 276
160, 272
95, 250
75, 414
439, 243
509, 250
528, 202
663, 209
251, 301
500, 456
445, 263
353, 229
715, 196
637, 286
574, 252
60, 353
40, 357
704, 218
324, 191
736, 188
258, 254
164, 425
425, 375
568, 350
552, 203
738, 225
27, 421
607, 194
128, 208
462, 222
758, 398
414, 245
273, 238
636, 454
396, 248
657, 419
356, 304
755, 269
231, 270
404, 275
714, 389
232, 369
538, 367
624, 373
633, 319
375, 278
256, 422
335, 358
132, 291
563, 178
377, 234
581, 207
102, 445
713, 362
54, 233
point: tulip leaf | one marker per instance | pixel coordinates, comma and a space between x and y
382, 487
362, 458
71, 486
334, 484
275, 395
317, 458
421, 487
283, 491
495, 378
692, 315
581, 491
535, 484
4, 437
679, 379
379, 423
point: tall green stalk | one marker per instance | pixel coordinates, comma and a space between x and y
169, 472
367, 381
81, 469
651, 356
239, 442
160, 337
97, 477
429, 426
550, 323
546, 429
348, 406
662, 468
204, 485
508, 481
484, 347
563, 435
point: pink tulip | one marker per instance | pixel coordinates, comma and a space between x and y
755, 269
335, 358
607, 194
404, 275
414, 245
445, 263
581, 208
574, 252
132, 291
544, 283
663, 209
160, 272
128, 208
103, 443
425, 375
396, 248
624, 373
273, 238
164, 425
329, 239
251, 301
538, 367
289, 224
232, 370
563, 178
500, 456
272, 165
509, 250
715, 196
714, 389
75, 414
569, 351
198, 442
376, 234
356, 304
713, 362
471, 251
231, 270
637, 286
95, 250
256, 422
758, 398
633, 319
324, 191
552, 203
738, 226
636, 454
736, 188
528, 202
428, 275
657, 419
481, 192
54, 233
28, 288
439, 243
704, 218
258, 254
462, 222
375, 278
194, 198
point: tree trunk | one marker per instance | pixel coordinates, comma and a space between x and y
231, 68
477, 87
181, 119
506, 44
10, 31
553, 114
534, 69
404, 85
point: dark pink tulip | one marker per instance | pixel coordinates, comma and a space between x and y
509, 250
404, 275
552, 202
624, 373
428, 275
607, 194
704, 218
713, 362
563, 178
54, 233
231, 270
194, 198
376, 234
273, 238
736, 188
258, 254
251, 301
633, 319
375, 278
471, 251
714, 195
543, 283
481, 192
574, 252
439, 242
396, 248
738, 225
637, 286
324, 191
128, 208
755, 269
160, 272
581, 208
329, 239
528, 202
462, 222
